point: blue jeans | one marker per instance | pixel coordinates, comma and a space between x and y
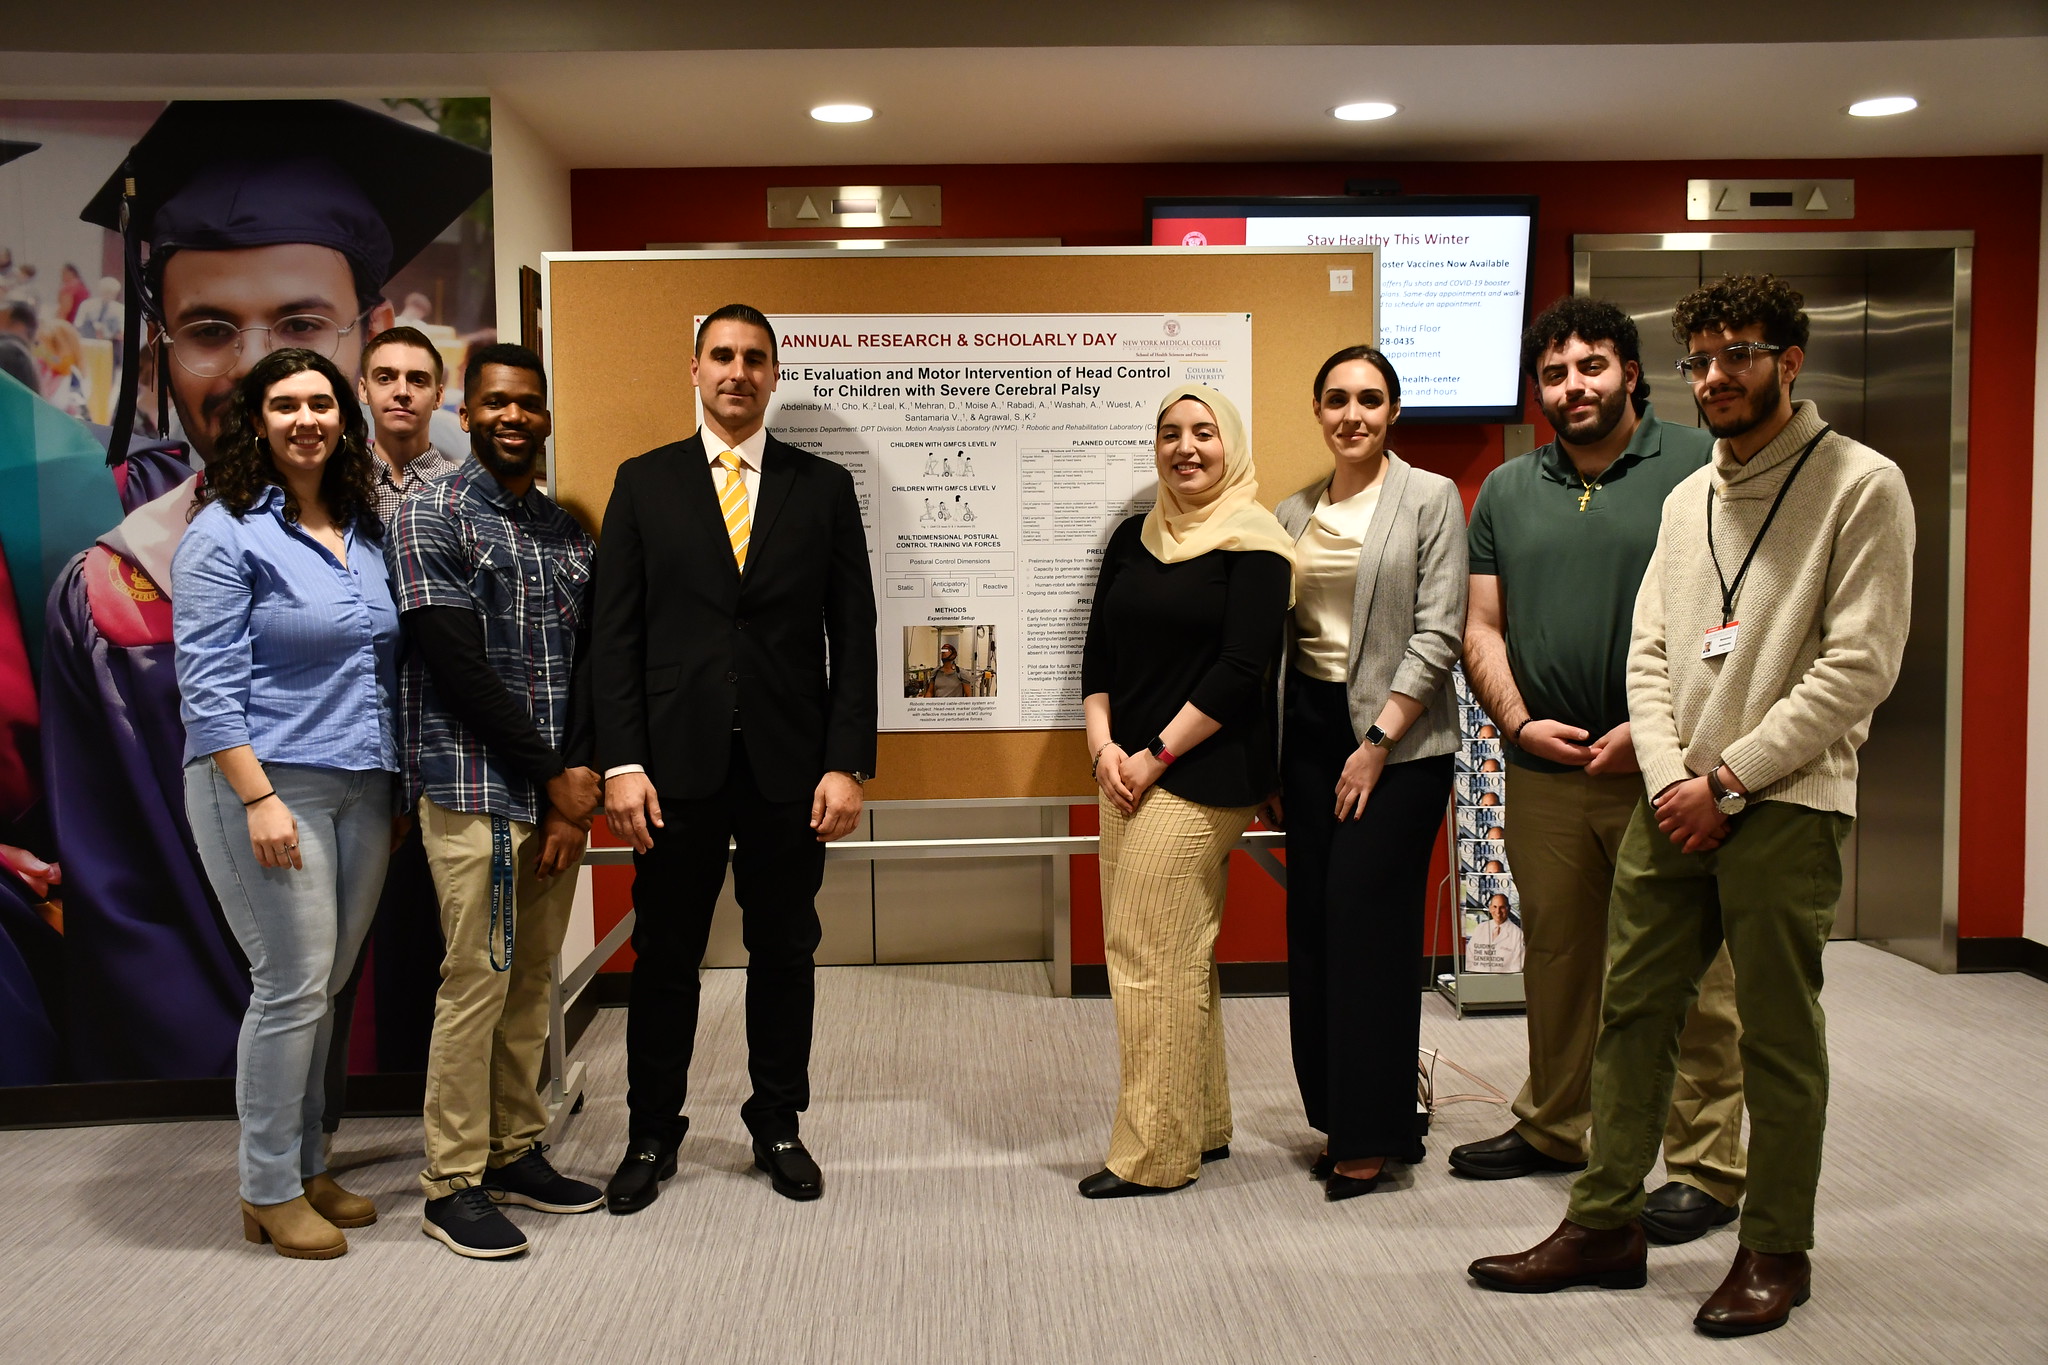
301, 930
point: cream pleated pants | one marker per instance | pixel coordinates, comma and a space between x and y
1163, 875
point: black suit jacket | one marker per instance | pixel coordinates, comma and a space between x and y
684, 646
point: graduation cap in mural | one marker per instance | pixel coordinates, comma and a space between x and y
231, 175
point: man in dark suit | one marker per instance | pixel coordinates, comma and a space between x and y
734, 669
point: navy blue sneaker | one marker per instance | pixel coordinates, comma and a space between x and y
469, 1224
533, 1182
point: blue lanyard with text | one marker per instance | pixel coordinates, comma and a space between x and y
501, 892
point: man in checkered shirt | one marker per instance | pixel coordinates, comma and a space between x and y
494, 583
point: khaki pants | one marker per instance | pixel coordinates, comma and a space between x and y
1564, 837
1163, 876
490, 1027
1767, 898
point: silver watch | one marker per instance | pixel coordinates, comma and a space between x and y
1726, 801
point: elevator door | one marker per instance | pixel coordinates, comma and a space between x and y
1880, 367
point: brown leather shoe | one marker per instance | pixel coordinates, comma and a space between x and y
295, 1228
1612, 1258
1762, 1289
337, 1205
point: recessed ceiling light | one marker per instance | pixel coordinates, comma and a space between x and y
1362, 113
1879, 108
842, 113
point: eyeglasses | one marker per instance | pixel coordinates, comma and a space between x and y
210, 347
1733, 360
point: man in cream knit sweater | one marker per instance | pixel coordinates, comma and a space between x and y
1769, 626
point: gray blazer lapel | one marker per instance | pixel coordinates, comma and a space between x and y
1374, 546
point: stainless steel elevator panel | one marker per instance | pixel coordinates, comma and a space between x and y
1886, 364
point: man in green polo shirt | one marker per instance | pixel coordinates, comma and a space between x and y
1560, 538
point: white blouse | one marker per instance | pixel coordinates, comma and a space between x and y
1325, 581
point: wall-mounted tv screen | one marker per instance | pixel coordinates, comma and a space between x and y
1455, 278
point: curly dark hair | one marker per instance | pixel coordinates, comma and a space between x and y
1590, 320
243, 467
1737, 301
1370, 355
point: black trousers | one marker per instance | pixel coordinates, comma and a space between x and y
408, 947
1356, 896
778, 865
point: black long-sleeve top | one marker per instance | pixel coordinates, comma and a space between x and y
451, 643
1206, 630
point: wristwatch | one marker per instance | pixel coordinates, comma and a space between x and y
1725, 801
1377, 737
1161, 752
860, 779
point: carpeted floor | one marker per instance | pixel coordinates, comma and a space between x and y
954, 1109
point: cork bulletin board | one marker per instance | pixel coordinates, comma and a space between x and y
619, 338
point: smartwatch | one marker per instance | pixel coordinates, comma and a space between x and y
1378, 738
1726, 801
1161, 752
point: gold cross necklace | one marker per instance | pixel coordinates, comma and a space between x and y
1589, 489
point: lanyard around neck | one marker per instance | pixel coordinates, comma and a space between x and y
1730, 590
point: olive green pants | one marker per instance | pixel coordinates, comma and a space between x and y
1564, 836
1769, 893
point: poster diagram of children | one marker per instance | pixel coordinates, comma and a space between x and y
946, 469
925, 518
966, 465
931, 464
966, 508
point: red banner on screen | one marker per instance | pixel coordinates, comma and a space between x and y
1198, 232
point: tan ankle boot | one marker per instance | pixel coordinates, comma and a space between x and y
295, 1228
337, 1205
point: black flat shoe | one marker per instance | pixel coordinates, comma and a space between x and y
1679, 1212
790, 1169
1348, 1186
1322, 1168
1107, 1184
637, 1182
1216, 1154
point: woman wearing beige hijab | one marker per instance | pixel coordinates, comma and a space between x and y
1177, 681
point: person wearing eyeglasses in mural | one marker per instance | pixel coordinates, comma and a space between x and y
252, 226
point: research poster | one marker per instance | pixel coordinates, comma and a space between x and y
994, 454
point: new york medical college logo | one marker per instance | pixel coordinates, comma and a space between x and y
1195, 239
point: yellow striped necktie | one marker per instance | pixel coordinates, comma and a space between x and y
732, 505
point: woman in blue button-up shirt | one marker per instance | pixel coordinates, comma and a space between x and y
286, 642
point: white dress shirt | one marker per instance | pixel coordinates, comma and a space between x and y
750, 452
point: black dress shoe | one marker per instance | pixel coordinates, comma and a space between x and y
1216, 1154
637, 1182
1322, 1168
1679, 1212
790, 1168
1107, 1184
1505, 1158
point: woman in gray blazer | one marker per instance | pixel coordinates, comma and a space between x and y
1368, 727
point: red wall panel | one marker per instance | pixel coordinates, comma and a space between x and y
1999, 198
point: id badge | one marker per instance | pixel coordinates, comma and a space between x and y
1720, 640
